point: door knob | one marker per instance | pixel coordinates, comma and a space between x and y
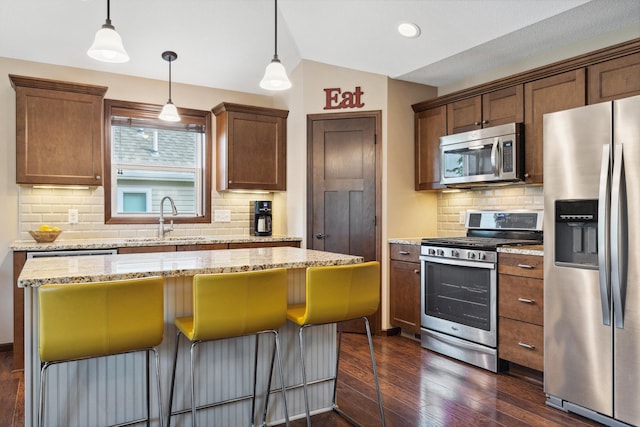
320, 236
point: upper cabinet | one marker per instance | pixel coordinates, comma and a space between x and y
614, 79
555, 93
430, 125
251, 147
491, 109
598, 76
58, 132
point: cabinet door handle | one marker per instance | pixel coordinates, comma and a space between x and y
321, 236
527, 266
485, 122
529, 346
416, 271
526, 300
404, 253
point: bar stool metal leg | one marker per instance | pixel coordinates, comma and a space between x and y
304, 373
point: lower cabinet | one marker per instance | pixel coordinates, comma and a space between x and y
404, 287
521, 310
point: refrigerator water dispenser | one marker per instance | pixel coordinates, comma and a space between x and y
576, 229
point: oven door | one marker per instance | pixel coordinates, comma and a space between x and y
459, 298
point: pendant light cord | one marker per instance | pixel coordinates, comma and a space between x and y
170, 81
109, 12
275, 15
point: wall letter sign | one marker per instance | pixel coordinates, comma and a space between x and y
336, 99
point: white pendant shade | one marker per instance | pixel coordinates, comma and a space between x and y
169, 113
107, 46
275, 77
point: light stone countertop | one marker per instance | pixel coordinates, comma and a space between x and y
74, 244
537, 250
407, 240
87, 269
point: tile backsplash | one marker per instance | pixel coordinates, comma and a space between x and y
51, 205
450, 205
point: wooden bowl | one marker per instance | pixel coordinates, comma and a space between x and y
44, 236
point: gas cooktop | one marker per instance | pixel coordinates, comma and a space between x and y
473, 242
487, 230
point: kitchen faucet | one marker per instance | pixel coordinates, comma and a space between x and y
162, 229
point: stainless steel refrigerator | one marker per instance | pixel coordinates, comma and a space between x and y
592, 261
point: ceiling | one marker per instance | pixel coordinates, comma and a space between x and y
228, 43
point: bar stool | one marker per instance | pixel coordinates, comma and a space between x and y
88, 320
230, 305
335, 294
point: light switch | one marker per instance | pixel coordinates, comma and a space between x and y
222, 216
72, 216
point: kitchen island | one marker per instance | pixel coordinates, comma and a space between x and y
84, 393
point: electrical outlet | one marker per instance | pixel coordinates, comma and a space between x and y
222, 216
72, 216
462, 217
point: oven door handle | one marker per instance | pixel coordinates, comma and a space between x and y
495, 157
461, 263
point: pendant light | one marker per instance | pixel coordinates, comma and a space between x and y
169, 112
275, 76
107, 45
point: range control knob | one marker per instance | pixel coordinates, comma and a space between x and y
455, 253
440, 252
482, 256
471, 255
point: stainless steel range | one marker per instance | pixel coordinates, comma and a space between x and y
459, 284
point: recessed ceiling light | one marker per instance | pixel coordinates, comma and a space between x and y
409, 30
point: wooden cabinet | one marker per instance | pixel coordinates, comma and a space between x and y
430, 125
263, 244
614, 79
146, 249
605, 74
251, 147
556, 93
491, 109
521, 310
58, 132
404, 287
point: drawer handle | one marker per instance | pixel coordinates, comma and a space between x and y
404, 253
529, 346
526, 300
416, 271
527, 266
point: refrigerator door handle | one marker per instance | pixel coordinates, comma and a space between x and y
603, 234
618, 236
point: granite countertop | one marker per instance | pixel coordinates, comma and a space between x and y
537, 250
87, 269
61, 244
406, 240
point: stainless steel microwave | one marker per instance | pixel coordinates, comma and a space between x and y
484, 156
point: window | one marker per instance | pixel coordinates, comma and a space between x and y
147, 159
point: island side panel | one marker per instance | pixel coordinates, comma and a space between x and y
87, 393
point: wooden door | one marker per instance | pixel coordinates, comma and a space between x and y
343, 201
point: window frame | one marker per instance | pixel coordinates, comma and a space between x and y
151, 111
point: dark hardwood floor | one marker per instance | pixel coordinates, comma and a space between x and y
419, 388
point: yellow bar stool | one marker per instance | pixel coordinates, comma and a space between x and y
335, 294
230, 305
88, 320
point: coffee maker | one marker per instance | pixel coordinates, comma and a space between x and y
260, 218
